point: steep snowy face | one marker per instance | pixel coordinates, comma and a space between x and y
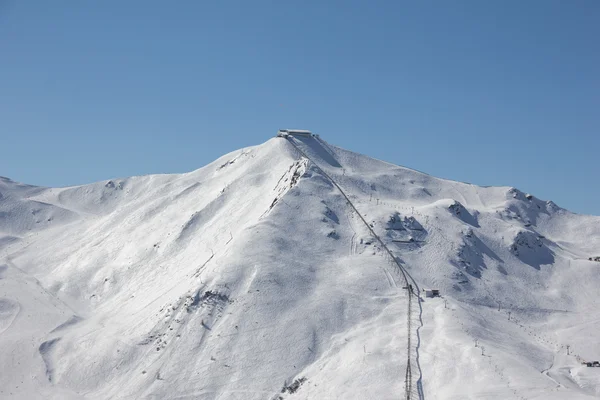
254, 278
122, 255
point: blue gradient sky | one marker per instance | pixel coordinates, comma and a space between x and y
493, 93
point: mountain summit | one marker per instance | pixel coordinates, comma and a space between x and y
295, 270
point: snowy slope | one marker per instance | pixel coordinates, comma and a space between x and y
253, 278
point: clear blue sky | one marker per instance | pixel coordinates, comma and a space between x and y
488, 92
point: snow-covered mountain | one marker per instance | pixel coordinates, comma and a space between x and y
255, 278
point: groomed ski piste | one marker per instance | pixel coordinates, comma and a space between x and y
295, 270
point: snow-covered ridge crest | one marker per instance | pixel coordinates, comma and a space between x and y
253, 278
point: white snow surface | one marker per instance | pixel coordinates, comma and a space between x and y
253, 278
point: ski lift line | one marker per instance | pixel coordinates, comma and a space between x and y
406, 281
408, 375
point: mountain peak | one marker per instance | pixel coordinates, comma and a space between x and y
291, 269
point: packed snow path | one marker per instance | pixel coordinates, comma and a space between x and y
409, 284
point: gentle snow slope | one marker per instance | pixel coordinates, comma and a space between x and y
251, 278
